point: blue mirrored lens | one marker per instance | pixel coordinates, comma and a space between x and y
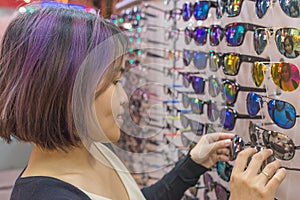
186, 11
198, 84
254, 103
215, 35
224, 170
227, 119
200, 60
261, 7
200, 35
291, 8
260, 40
201, 10
235, 35
282, 113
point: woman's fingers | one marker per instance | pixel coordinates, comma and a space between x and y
242, 160
257, 160
270, 169
277, 179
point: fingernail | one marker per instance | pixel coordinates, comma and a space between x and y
227, 142
271, 151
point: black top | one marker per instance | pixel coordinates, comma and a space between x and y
171, 187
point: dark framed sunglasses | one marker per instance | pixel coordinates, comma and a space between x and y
282, 145
199, 34
221, 192
224, 170
231, 62
199, 58
235, 32
199, 9
285, 39
231, 89
228, 117
290, 8
281, 112
198, 83
197, 107
196, 127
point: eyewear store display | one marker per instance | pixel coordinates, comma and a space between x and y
226, 65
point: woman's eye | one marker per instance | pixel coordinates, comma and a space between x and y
117, 81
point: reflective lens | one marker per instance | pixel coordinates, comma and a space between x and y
228, 118
187, 57
260, 40
213, 86
197, 105
231, 64
198, 84
186, 11
200, 59
285, 76
254, 103
235, 34
287, 41
188, 35
258, 71
221, 192
224, 170
215, 35
291, 8
237, 145
214, 61
261, 7
200, 35
201, 10
230, 90
282, 113
234, 7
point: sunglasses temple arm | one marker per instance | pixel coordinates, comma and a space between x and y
291, 169
252, 89
253, 27
146, 5
242, 116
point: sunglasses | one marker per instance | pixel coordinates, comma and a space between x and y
199, 34
285, 39
198, 83
231, 89
196, 127
282, 145
284, 75
168, 14
235, 32
199, 9
199, 58
224, 170
290, 8
221, 192
231, 62
228, 117
281, 112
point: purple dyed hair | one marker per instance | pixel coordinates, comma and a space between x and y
40, 56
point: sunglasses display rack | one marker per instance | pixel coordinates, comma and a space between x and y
196, 67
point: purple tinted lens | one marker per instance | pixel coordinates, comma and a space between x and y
207, 179
198, 84
221, 192
235, 34
227, 119
200, 59
186, 11
201, 9
187, 57
188, 35
200, 35
215, 35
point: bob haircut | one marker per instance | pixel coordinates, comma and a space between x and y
40, 56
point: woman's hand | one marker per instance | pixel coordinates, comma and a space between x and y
211, 148
248, 183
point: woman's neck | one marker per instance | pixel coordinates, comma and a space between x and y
46, 162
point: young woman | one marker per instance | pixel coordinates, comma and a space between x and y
59, 89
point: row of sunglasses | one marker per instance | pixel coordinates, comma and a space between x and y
200, 9
282, 113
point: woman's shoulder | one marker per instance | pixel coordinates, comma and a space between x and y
45, 188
